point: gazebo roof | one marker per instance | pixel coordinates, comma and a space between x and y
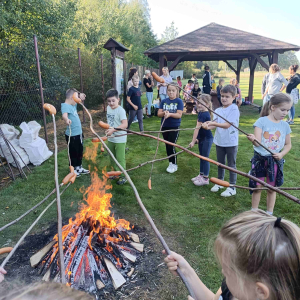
112, 43
212, 41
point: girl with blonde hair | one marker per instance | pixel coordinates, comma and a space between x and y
259, 255
276, 83
163, 86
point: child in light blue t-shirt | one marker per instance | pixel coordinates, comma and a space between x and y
272, 132
71, 118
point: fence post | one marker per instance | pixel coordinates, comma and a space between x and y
41, 85
81, 83
102, 79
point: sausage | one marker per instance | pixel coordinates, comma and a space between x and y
71, 169
96, 140
76, 98
102, 149
5, 250
114, 173
157, 78
67, 178
50, 108
103, 125
72, 180
149, 184
219, 182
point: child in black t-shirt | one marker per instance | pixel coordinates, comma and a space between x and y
196, 90
205, 139
135, 104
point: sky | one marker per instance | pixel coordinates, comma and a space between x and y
275, 19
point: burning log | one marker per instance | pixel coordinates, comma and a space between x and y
117, 278
36, 258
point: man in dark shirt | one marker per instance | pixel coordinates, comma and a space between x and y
206, 81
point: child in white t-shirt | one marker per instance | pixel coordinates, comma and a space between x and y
226, 137
116, 118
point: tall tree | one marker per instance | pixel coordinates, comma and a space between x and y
170, 33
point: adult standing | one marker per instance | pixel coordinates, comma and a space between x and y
148, 83
163, 86
132, 72
291, 89
206, 81
277, 83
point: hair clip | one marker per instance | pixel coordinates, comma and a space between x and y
277, 222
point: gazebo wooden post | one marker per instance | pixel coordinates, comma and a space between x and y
113, 64
275, 57
238, 71
252, 65
270, 58
162, 62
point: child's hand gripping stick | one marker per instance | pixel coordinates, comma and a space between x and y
50, 108
220, 182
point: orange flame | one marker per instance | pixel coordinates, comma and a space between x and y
91, 152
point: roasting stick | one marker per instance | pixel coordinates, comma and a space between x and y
275, 189
28, 230
150, 220
52, 111
149, 180
227, 184
66, 180
161, 80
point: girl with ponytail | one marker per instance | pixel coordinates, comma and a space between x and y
274, 134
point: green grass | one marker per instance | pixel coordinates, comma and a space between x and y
189, 217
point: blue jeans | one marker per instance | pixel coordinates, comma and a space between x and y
162, 96
149, 96
292, 113
204, 150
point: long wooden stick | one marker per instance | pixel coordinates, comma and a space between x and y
275, 189
59, 218
30, 210
27, 232
155, 160
242, 131
137, 196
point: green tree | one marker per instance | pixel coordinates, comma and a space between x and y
170, 33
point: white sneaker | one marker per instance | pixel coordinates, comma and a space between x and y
229, 192
198, 177
82, 171
76, 172
216, 188
169, 168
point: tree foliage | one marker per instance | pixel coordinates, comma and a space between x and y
170, 33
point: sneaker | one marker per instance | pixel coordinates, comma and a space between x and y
121, 181
216, 188
169, 168
172, 168
229, 192
291, 122
77, 174
196, 178
201, 181
82, 171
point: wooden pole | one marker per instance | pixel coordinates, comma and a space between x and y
81, 82
275, 57
113, 63
124, 83
102, 80
252, 65
41, 85
238, 71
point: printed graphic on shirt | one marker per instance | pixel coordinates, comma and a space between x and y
172, 108
138, 93
110, 119
272, 140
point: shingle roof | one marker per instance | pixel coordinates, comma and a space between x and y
215, 37
113, 43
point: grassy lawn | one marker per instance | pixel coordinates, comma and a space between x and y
189, 217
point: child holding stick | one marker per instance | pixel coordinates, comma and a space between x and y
205, 139
116, 118
71, 118
259, 255
170, 110
226, 137
274, 134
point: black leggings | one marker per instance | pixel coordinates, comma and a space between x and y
76, 149
172, 137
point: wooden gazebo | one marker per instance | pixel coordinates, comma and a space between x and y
215, 42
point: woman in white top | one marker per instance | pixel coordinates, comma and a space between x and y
276, 84
163, 86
